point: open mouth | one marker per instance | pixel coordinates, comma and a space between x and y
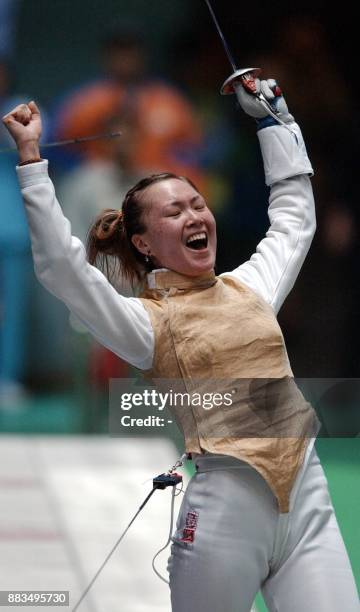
197, 241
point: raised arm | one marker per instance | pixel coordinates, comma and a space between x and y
274, 267
119, 323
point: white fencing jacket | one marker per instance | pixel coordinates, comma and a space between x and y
121, 323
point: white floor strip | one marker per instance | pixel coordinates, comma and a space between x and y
66, 500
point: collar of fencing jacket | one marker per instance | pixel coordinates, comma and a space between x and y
166, 279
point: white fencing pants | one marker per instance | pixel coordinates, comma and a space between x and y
231, 541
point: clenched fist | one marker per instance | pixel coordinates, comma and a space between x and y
272, 92
24, 125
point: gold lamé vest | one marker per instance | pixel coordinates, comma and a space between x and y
215, 334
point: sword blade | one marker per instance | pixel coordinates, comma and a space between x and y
223, 39
63, 143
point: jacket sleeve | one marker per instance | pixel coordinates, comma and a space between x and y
273, 268
119, 323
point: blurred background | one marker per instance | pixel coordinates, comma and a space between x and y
154, 70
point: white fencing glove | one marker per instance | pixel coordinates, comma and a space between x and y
251, 104
283, 149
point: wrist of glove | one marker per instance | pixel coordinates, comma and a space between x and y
271, 93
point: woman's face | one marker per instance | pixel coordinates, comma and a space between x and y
181, 230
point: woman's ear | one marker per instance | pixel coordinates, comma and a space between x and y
140, 244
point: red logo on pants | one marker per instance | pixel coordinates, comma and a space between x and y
190, 527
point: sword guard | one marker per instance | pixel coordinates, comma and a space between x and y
246, 76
